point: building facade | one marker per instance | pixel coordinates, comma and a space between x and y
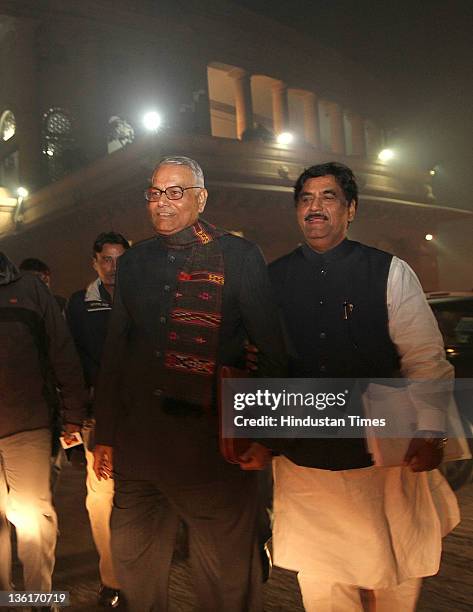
77, 78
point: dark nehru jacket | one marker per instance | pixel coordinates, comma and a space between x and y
155, 437
336, 318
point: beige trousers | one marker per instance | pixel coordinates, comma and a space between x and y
25, 502
324, 597
99, 503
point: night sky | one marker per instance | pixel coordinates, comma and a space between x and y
421, 52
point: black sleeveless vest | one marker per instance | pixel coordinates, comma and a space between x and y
336, 319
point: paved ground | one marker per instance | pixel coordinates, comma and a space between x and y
76, 566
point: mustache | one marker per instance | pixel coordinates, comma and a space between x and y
316, 215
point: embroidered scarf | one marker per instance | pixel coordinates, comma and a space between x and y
195, 316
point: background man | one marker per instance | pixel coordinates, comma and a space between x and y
38, 267
352, 311
88, 313
36, 356
185, 302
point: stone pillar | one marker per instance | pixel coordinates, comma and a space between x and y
243, 101
337, 133
26, 106
311, 119
280, 107
357, 130
373, 138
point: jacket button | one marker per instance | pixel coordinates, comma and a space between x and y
323, 368
162, 320
167, 287
172, 258
322, 335
158, 392
323, 272
158, 354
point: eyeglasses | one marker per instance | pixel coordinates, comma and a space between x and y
153, 194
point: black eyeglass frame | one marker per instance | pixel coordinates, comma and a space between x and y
165, 191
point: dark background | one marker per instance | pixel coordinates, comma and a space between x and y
420, 51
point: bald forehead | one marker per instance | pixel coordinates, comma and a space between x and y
172, 174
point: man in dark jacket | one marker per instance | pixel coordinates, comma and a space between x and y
37, 356
185, 302
88, 314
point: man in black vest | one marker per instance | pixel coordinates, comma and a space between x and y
352, 311
184, 303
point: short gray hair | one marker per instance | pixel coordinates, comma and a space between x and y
184, 161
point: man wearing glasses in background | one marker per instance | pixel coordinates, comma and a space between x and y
184, 304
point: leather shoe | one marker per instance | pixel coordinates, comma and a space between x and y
108, 597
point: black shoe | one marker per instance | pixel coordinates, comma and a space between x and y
108, 597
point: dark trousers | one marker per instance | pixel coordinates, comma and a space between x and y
223, 551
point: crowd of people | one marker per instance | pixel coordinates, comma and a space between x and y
132, 362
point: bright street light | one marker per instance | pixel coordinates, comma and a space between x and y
386, 155
152, 121
429, 237
22, 192
285, 138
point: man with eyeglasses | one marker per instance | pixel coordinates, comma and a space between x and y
185, 302
352, 311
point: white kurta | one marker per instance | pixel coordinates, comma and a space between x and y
373, 527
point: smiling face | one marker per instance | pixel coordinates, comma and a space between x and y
171, 216
323, 213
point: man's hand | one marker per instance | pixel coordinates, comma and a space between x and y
257, 457
69, 430
423, 455
103, 461
251, 357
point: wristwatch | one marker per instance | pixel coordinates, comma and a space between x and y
438, 439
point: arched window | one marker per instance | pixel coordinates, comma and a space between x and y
7, 125
58, 143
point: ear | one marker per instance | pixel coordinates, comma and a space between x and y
94, 263
351, 211
202, 199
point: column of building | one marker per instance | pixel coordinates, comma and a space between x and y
243, 101
280, 107
357, 133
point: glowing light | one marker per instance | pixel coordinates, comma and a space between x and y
285, 138
432, 172
429, 237
22, 192
8, 133
386, 155
152, 121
